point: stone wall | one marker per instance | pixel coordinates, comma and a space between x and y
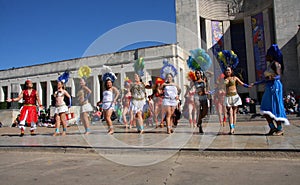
287, 19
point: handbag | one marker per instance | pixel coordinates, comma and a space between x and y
113, 116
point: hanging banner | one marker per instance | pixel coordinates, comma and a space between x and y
258, 45
217, 43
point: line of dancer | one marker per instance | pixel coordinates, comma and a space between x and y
161, 104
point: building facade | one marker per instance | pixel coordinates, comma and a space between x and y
45, 76
248, 28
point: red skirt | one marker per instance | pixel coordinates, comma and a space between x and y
31, 116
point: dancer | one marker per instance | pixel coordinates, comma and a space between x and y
228, 61
110, 96
83, 96
126, 101
157, 99
28, 113
137, 102
200, 97
60, 105
189, 106
138, 93
272, 107
171, 92
219, 97
200, 62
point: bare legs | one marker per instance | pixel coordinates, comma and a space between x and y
192, 114
232, 118
84, 117
169, 110
140, 122
221, 109
60, 118
124, 113
107, 115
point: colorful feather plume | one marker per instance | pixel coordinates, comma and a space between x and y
226, 59
108, 74
139, 66
84, 71
167, 69
159, 81
191, 75
276, 54
199, 60
64, 78
127, 81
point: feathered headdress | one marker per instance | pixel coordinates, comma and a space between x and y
167, 69
199, 60
191, 76
159, 81
108, 74
64, 78
139, 66
226, 59
127, 81
84, 71
276, 54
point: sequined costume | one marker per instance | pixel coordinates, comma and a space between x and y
107, 101
138, 97
170, 94
28, 112
232, 99
84, 102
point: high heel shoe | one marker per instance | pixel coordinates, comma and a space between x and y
271, 132
278, 133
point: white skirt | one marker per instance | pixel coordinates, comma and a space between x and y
107, 105
169, 102
86, 108
137, 105
61, 109
232, 101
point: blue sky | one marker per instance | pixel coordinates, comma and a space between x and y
41, 31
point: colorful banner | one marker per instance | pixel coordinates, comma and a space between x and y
258, 45
217, 43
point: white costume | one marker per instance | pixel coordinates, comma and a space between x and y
62, 108
138, 97
170, 94
107, 102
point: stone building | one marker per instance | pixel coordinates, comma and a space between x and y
248, 27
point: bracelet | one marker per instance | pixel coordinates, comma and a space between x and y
246, 85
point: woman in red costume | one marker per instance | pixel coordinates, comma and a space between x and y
157, 99
28, 112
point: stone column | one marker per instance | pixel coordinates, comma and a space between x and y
2, 95
49, 93
96, 90
227, 35
250, 56
39, 91
14, 94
